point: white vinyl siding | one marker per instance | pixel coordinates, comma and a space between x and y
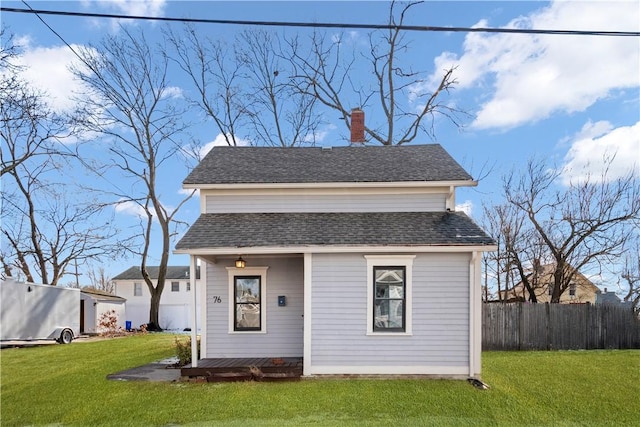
346, 202
440, 310
283, 325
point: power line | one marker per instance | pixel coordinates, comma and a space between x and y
423, 28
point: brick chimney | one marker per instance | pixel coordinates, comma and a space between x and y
357, 127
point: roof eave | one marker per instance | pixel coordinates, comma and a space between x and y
408, 184
266, 250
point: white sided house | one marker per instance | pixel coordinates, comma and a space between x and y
352, 258
175, 302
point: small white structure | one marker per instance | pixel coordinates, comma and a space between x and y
94, 304
175, 303
30, 311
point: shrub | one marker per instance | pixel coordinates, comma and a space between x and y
183, 350
108, 324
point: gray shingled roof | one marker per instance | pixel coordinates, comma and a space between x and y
233, 165
174, 272
332, 229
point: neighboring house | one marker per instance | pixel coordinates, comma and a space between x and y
581, 289
94, 304
175, 302
352, 258
607, 298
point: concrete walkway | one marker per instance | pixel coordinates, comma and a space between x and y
157, 371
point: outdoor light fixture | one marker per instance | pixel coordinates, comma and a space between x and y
240, 263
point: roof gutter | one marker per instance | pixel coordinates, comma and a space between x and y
290, 185
266, 250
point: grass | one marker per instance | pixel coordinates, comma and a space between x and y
67, 385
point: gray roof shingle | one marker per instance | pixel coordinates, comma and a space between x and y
332, 229
173, 272
260, 165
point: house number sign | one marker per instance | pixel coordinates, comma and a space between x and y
217, 299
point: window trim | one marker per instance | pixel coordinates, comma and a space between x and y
244, 272
378, 261
178, 287
134, 289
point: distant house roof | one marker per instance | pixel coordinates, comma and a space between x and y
332, 229
262, 165
101, 295
173, 272
607, 297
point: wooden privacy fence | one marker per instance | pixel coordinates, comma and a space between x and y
522, 326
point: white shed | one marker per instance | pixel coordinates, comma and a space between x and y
94, 304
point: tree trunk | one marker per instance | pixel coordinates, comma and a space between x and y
154, 310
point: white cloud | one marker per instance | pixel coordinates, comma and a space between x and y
320, 135
188, 191
534, 76
154, 8
172, 92
132, 7
131, 208
466, 207
220, 141
47, 69
599, 141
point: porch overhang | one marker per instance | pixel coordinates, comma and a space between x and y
280, 233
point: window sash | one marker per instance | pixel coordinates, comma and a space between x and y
137, 289
389, 294
175, 286
247, 313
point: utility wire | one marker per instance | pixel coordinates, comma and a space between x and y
329, 25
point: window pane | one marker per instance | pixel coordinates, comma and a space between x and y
384, 275
247, 289
395, 314
248, 316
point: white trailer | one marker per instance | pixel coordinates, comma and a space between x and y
38, 312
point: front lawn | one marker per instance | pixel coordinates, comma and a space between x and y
67, 385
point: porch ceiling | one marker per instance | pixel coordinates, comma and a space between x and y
333, 229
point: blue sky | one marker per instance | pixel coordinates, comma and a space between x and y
566, 98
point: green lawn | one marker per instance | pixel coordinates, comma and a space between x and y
66, 385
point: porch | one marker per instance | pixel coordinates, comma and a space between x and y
245, 369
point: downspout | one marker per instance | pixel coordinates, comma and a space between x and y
194, 315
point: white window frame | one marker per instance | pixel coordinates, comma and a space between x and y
248, 271
137, 285
390, 261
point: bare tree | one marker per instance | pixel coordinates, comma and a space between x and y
630, 274
100, 280
404, 97
218, 80
578, 227
131, 103
29, 128
247, 89
45, 226
280, 114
